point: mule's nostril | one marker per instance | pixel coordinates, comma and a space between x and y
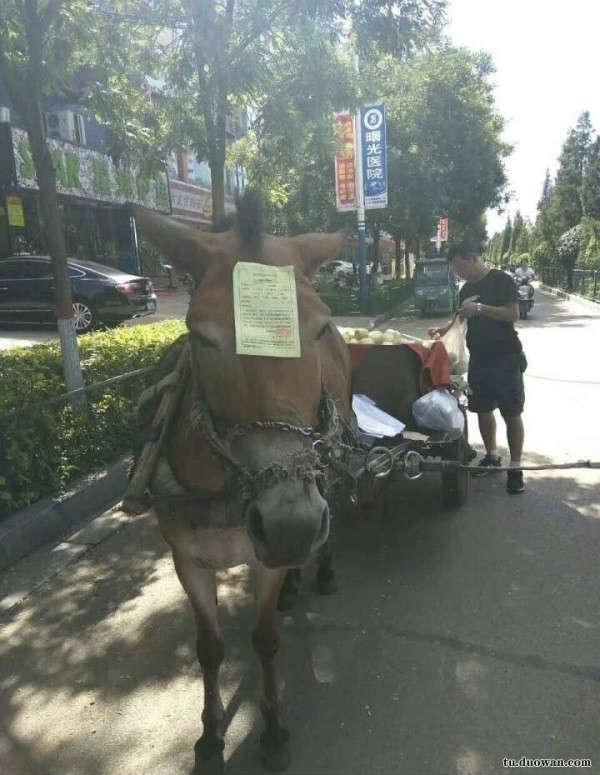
255, 523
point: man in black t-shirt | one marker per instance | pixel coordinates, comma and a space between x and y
488, 301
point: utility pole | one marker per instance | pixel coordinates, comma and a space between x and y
360, 207
361, 218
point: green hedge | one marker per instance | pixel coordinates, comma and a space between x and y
44, 448
382, 298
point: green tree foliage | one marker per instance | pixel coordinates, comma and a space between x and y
546, 192
569, 178
519, 238
446, 152
590, 190
506, 237
515, 233
493, 252
223, 55
589, 254
307, 76
396, 27
568, 220
289, 152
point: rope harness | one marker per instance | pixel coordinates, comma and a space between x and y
311, 464
320, 461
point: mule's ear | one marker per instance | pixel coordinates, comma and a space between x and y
317, 248
188, 248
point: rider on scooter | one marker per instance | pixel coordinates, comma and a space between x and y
524, 271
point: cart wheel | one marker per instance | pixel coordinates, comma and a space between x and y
455, 484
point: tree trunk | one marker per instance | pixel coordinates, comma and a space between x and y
407, 272
217, 177
398, 254
27, 98
52, 228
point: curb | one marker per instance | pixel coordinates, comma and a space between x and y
49, 519
559, 293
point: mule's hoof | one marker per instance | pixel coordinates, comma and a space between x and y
208, 756
326, 584
275, 751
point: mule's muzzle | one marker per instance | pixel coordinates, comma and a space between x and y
288, 523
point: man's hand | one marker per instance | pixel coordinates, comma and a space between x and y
438, 331
468, 310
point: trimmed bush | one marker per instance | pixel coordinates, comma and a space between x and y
44, 447
382, 298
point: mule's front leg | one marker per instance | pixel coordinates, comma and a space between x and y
200, 586
275, 740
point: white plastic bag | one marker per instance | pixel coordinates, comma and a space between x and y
438, 411
455, 342
374, 421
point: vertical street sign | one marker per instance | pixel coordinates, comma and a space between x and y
374, 156
345, 163
361, 173
441, 234
443, 229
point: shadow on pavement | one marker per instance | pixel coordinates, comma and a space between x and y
455, 639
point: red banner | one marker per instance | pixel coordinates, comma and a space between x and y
443, 229
345, 163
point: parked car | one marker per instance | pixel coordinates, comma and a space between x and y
101, 294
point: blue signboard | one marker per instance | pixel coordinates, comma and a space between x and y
374, 156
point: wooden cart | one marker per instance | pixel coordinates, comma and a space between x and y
392, 375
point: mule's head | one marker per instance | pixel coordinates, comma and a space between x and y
289, 519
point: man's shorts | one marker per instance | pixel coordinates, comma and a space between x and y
498, 384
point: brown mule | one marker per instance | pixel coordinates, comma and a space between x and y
265, 406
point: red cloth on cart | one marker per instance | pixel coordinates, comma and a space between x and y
436, 365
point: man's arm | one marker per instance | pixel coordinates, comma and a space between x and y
506, 308
508, 313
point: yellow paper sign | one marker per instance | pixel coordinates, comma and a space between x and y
16, 216
266, 310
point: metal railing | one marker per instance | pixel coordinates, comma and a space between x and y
584, 282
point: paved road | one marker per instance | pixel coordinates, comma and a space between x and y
453, 641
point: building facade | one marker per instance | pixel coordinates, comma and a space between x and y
95, 194
190, 181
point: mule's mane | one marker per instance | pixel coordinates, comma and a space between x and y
249, 221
